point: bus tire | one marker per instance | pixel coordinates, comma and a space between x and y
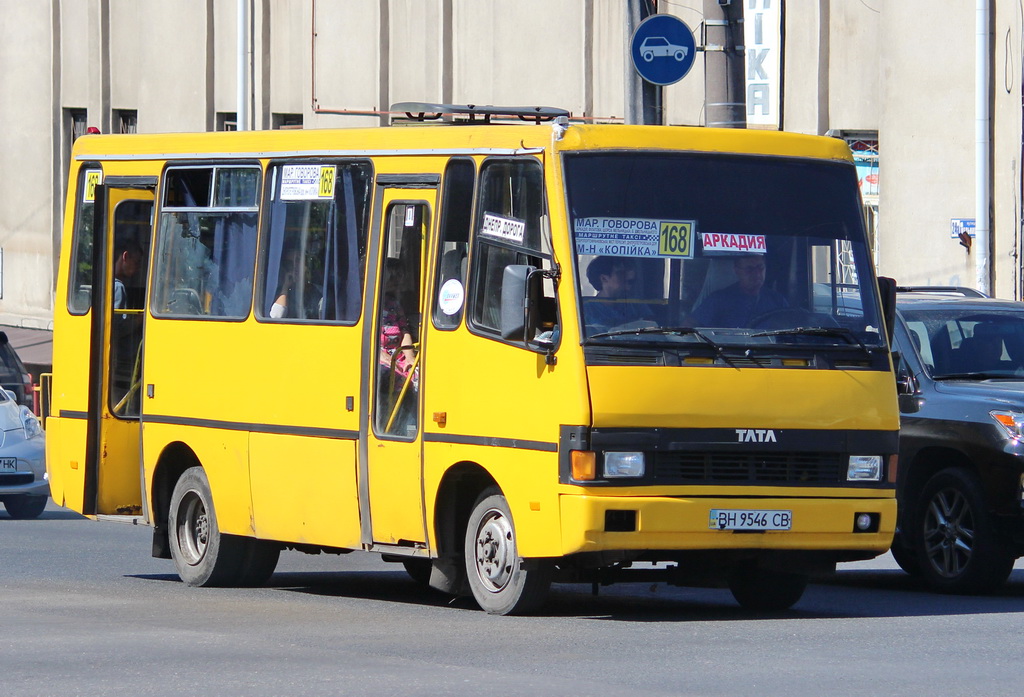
201, 554
767, 590
258, 562
501, 581
905, 556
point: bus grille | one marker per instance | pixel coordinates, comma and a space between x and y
754, 468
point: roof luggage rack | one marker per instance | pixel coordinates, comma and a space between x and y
943, 290
475, 114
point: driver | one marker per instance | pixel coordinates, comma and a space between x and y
746, 299
614, 279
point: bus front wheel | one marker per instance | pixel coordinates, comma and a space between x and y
766, 590
201, 554
501, 582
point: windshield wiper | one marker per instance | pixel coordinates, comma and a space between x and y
843, 332
677, 331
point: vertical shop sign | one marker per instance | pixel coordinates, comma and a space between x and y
762, 22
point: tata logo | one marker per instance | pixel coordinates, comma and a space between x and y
755, 435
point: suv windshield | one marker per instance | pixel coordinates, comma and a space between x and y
748, 250
968, 342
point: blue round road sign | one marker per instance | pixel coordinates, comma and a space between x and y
662, 49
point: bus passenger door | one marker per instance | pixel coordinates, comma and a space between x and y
124, 220
391, 496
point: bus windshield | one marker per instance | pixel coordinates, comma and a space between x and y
738, 250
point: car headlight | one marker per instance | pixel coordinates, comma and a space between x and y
864, 468
623, 464
30, 423
1011, 422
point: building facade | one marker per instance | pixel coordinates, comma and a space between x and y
896, 78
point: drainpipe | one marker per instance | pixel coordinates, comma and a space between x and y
982, 153
242, 79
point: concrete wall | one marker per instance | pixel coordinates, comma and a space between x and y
900, 68
27, 34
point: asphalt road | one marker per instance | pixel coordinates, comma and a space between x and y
84, 610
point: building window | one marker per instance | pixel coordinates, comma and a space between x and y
126, 120
227, 121
286, 121
76, 121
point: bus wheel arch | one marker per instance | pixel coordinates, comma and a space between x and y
175, 459
460, 486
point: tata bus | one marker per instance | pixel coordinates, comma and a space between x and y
505, 355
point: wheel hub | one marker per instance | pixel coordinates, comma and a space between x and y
495, 551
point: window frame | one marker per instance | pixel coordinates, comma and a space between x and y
443, 218
263, 248
158, 233
477, 245
76, 236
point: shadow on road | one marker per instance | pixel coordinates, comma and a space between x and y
850, 594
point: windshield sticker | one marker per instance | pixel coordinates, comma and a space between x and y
503, 228
93, 177
635, 237
731, 243
451, 297
307, 182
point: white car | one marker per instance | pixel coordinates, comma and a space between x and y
24, 485
658, 46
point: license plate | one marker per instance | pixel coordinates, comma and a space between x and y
729, 519
8, 464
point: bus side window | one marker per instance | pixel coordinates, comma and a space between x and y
208, 241
80, 280
456, 220
511, 229
315, 249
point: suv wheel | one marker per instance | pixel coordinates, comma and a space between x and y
954, 536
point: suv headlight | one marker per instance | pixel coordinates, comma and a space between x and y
623, 464
1012, 423
30, 423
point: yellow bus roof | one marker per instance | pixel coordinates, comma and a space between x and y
447, 140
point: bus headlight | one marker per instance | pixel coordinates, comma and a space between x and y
620, 464
864, 468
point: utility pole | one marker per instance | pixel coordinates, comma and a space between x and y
643, 99
725, 104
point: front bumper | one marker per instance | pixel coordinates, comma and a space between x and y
678, 523
30, 479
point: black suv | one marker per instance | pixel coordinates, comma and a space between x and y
13, 375
961, 471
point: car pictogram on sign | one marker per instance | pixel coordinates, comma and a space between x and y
658, 46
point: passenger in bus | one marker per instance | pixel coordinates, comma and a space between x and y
615, 304
745, 300
395, 328
295, 297
127, 262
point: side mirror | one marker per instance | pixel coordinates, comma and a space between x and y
515, 301
887, 294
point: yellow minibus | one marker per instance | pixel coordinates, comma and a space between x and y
503, 354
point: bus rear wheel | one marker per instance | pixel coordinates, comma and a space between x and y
201, 554
767, 590
501, 581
